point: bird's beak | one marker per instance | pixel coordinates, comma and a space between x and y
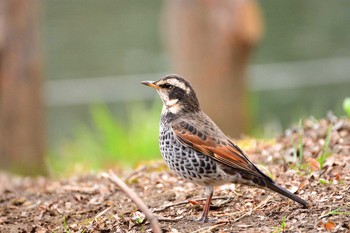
150, 84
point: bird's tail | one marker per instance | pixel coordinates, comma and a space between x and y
273, 186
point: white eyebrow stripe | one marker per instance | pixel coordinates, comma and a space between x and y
176, 83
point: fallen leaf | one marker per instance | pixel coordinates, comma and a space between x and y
314, 164
337, 176
193, 202
302, 185
328, 226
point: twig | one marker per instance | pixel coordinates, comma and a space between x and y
79, 189
186, 202
250, 212
242, 216
209, 229
222, 203
96, 218
134, 173
139, 203
101, 213
163, 219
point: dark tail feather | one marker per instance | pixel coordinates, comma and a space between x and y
286, 193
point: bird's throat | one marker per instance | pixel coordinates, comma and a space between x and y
173, 106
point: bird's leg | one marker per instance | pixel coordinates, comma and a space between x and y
209, 190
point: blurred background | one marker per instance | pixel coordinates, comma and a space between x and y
70, 72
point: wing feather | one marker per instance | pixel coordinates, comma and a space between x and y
221, 149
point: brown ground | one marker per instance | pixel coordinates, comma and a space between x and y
91, 203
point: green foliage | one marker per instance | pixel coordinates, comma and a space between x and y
326, 151
65, 226
109, 141
283, 222
346, 106
323, 181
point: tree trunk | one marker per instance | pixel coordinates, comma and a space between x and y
21, 108
210, 43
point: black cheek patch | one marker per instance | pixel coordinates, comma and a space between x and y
176, 93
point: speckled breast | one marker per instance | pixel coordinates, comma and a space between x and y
186, 162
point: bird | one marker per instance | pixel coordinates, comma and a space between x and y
196, 149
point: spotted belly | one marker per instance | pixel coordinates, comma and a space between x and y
188, 163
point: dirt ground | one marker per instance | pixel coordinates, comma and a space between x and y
92, 203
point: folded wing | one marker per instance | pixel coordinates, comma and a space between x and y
220, 149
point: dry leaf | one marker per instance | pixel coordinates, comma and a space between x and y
193, 202
328, 226
337, 177
302, 185
314, 164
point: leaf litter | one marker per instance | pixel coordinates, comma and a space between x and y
313, 162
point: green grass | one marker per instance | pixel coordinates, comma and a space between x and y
326, 151
65, 226
108, 141
282, 226
335, 212
283, 222
324, 181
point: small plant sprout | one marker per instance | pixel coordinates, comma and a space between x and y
283, 222
326, 151
346, 106
323, 181
65, 226
282, 227
138, 217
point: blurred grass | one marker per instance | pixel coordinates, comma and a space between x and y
108, 142
346, 106
111, 141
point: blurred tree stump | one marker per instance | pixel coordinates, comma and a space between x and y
210, 43
21, 107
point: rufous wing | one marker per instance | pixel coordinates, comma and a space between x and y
222, 149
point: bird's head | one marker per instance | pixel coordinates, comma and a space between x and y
176, 93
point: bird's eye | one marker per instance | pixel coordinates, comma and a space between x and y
167, 86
